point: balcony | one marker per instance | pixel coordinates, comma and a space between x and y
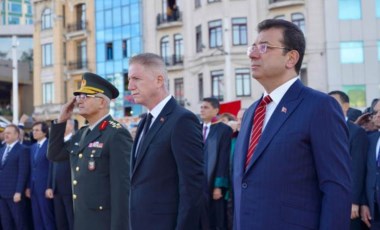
77, 30
274, 4
77, 67
168, 21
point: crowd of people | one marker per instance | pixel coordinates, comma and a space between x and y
296, 158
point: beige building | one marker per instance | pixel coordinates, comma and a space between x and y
210, 38
63, 51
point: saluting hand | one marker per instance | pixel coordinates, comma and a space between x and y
67, 111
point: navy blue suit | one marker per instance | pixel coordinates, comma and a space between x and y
372, 179
167, 176
13, 179
42, 208
63, 196
299, 175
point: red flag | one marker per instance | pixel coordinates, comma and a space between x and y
232, 107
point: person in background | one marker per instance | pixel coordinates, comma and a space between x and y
99, 157
291, 163
358, 141
370, 210
14, 172
217, 149
167, 177
42, 206
61, 187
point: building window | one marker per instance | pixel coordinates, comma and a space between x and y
378, 50
197, 3
239, 31
82, 54
178, 91
350, 9
378, 8
178, 48
46, 19
13, 20
200, 86
198, 38
109, 51
217, 84
81, 16
28, 21
126, 48
215, 33
243, 83
356, 93
164, 49
29, 9
299, 20
351, 52
14, 7
47, 93
47, 55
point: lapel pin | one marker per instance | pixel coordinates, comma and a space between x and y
284, 109
162, 119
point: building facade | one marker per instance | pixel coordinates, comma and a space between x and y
64, 41
16, 12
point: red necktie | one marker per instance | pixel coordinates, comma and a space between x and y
258, 122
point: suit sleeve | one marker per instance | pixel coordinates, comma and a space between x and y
222, 167
330, 149
57, 150
24, 169
359, 150
187, 146
120, 152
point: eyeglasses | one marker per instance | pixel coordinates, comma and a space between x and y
262, 48
85, 96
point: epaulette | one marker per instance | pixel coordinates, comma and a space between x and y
115, 124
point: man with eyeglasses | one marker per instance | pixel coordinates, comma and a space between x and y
99, 154
291, 163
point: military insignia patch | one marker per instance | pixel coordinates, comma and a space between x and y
91, 164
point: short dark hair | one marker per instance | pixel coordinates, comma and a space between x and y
294, 38
213, 101
15, 127
44, 127
342, 95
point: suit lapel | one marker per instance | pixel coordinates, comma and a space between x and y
156, 126
284, 109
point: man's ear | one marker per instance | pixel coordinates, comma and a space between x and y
160, 80
293, 57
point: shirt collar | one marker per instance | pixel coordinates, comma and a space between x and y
41, 142
280, 91
158, 108
12, 144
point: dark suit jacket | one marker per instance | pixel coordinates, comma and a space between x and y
217, 155
358, 152
299, 175
100, 173
15, 172
61, 178
40, 168
167, 178
370, 197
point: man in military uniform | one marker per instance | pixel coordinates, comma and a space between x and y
99, 154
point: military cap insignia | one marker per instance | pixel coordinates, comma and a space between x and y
83, 84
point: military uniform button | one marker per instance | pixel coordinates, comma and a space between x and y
77, 168
74, 196
75, 182
80, 155
93, 151
71, 151
92, 155
100, 207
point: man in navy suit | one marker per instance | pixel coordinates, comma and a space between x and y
39, 183
61, 192
294, 171
370, 211
167, 171
358, 151
217, 138
14, 171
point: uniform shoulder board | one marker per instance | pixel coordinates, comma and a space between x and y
115, 124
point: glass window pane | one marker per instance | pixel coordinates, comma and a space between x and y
378, 50
377, 8
108, 17
116, 17
351, 52
349, 9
